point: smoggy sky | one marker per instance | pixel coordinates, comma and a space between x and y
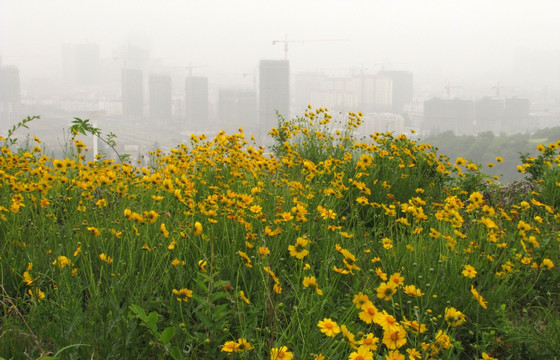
230, 36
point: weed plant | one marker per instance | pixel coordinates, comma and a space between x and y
328, 248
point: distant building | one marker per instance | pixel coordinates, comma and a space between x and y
81, 64
516, 115
274, 92
441, 115
132, 94
402, 89
10, 97
237, 108
365, 93
381, 122
9, 84
160, 98
196, 104
304, 85
489, 113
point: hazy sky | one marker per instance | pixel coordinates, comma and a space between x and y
230, 36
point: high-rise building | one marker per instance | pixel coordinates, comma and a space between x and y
10, 98
81, 64
132, 94
274, 93
196, 104
9, 84
160, 98
402, 89
516, 115
237, 108
489, 113
441, 115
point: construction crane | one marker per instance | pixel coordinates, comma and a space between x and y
190, 67
254, 76
285, 41
498, 88
448, 89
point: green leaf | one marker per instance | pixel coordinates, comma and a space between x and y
152, 319
166, 335
136, 309
205, 319
175, 353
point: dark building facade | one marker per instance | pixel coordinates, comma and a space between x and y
196, 104
9, 84
10, 97
274, 92
403, 89
132, 94
441, 115
237, 108
160, 98
516, 115
489, 114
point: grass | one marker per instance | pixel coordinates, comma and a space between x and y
331, 247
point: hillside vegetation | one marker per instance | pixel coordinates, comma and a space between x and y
323, 247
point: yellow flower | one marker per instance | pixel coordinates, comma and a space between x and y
360, 299
281, 353
243, 297
369, 342
184, 294
105, 258
38, 294
413, 291
478, 297
454, 317
163, 230
328, 327
62, 261
485, 356
547, 263
394, 339
386, 321
395, 355
245, 258
230, 346
298, 250
469, 271
263, 250
363, 353
368, 312
386, 290
197, 228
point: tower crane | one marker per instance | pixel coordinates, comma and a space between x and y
448, 89
498, 88
254, 76
190, 67
285, 41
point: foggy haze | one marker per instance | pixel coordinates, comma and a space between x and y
155, 71
432, 37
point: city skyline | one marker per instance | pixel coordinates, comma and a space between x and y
430, 38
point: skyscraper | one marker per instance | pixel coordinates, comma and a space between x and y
237, 108
81, 64
274, 92
402, 90
9, 84
441, 115
196, 104
132, 94
10, 98
160, 98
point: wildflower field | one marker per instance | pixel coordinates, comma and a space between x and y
324, 246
